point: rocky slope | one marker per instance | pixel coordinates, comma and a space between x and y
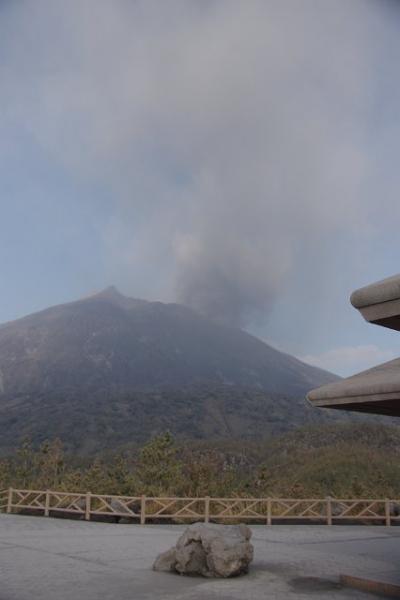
110, 369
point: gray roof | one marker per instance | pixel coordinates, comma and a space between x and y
375, 390
381, 291
379, 302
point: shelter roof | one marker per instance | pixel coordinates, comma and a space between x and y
380, 302
376, 390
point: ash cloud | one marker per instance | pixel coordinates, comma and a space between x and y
230, 135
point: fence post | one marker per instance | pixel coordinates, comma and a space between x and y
143, 510
47, 504
9, 499
87, 506
329, 510
269, 512
387, 513
207, 509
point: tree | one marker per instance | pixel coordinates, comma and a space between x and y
48, 464
23, 464
159, 471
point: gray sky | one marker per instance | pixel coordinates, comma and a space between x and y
238, 156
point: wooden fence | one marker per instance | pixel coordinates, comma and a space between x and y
142, 509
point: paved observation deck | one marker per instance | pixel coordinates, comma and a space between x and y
58, 559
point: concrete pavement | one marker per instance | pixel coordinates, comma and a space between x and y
57, 559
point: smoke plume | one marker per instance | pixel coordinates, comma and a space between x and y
230, 136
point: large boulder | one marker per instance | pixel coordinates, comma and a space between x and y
209, 550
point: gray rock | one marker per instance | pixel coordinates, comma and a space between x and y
191, 559
210, 550
166, 561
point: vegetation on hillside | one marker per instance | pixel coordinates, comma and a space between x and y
91, 423
109, 370
338, 460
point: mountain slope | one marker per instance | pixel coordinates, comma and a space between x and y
81, 363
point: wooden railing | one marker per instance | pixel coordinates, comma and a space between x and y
144, 509
4, 495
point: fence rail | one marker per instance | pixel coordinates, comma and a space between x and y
4, 494
144, 509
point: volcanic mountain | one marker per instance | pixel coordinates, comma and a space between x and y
108, 370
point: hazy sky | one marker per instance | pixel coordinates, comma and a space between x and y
239, 156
